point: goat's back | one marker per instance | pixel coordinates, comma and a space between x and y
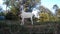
27, 15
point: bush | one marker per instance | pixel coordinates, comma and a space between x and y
2, 17
18, 29
11, 16
12, 29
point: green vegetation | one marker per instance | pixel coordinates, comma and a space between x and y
47, 23
11, 16
48, 28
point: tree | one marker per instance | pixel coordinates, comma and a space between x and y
29, 4
57, 10
55, 7
14, 10
1, 9
58, 13
14, 5
2, 14
7, 2
46, 15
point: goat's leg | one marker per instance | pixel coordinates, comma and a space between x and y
32, 20
22, 23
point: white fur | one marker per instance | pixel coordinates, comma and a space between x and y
26, 15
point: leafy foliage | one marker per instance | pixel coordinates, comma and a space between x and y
44, 17
1, 9
11, 16
49, 28
14, 10
2, 14
58, 12
55, 7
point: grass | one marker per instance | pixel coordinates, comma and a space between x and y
8, 27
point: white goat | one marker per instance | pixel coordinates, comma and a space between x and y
26, 15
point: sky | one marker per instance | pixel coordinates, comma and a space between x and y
2, 5
46, 3
49, 4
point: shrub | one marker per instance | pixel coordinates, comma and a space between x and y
11, 16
